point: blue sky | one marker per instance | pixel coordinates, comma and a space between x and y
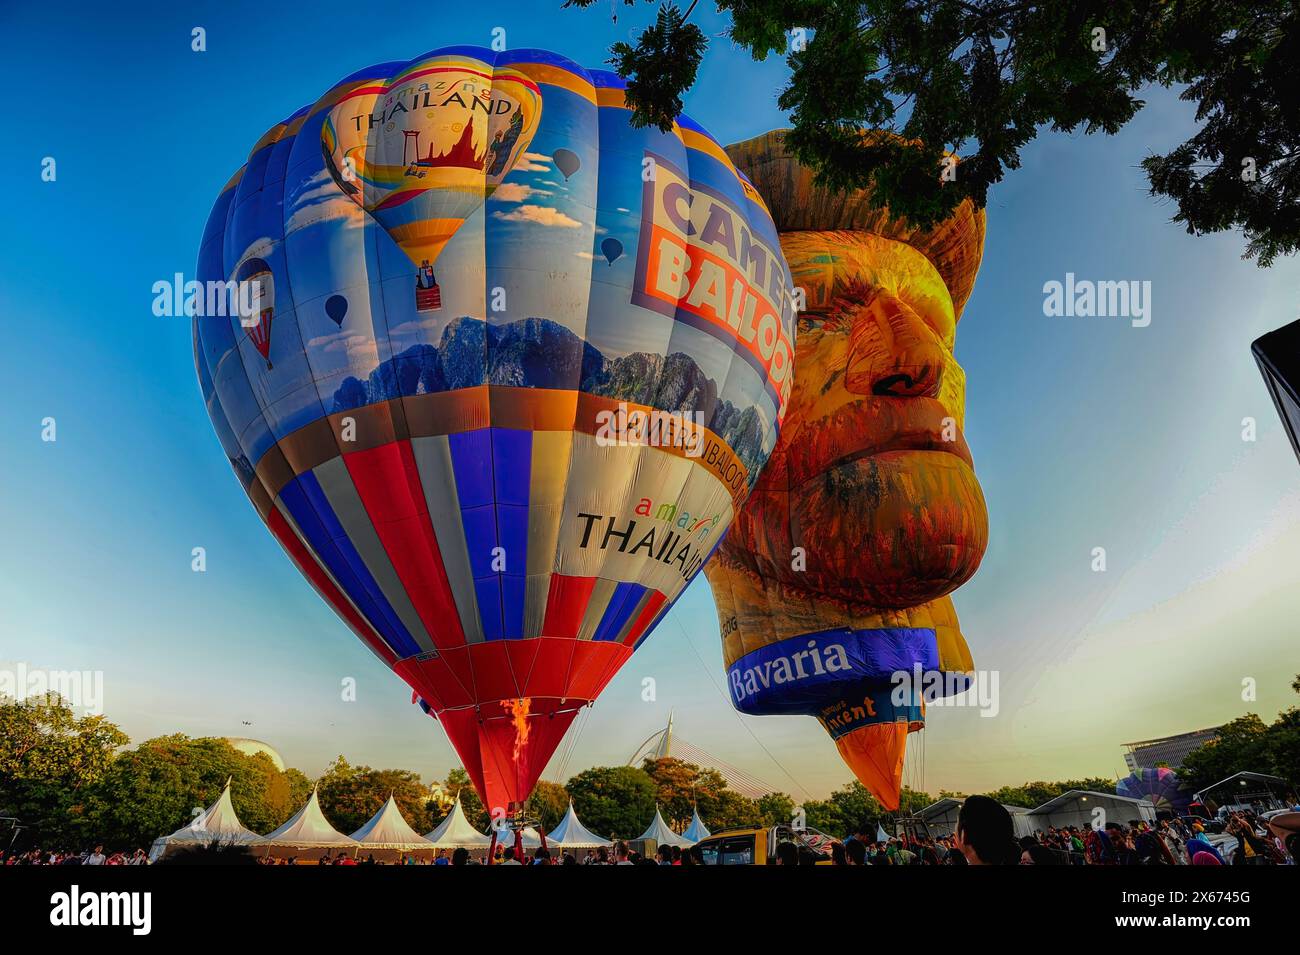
1086, 432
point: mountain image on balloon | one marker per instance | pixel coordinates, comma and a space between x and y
538, 353
459, 474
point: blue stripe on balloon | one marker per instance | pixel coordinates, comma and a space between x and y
621, 607
512, 462
471, 460
480, 525
488, 592
311, 511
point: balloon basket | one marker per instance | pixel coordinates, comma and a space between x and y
428, 299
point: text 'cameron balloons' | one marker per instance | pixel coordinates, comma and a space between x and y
501, 478
612, 249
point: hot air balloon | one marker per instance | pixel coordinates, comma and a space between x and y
567, 161
1160, 786
611, 248
336, 307
501, 497
832, 586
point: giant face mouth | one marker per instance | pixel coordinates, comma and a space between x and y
891, 528
884, 501
870, 426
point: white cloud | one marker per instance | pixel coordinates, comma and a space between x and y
540, 215
517, 192
532, 162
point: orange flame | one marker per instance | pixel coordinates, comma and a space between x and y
519, 713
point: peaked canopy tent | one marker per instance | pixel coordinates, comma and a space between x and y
308, 833
697, 830
1261, 791
387, 834
662, 835
940, 818
572, 834
455, 832
1078, 807
217, 825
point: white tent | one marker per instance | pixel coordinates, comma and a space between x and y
455, 831
1079, 807
387, 829
532, 838
309, 829
218, 825
697, 830
572, 834
662, 835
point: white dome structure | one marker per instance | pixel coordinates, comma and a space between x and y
251, 747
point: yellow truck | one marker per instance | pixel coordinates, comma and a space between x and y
759, 846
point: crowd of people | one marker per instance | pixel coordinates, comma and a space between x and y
95, 856
984, 836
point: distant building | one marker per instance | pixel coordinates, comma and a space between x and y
1167, 750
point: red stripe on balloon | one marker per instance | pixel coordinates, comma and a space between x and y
566, 602
388, 483
644, 618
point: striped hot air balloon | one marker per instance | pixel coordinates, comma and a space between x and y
501, 496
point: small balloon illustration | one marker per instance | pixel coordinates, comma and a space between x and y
612, 249
567, 161
336, 307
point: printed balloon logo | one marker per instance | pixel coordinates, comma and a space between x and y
423, 151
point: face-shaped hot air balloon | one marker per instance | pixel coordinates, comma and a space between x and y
834, 579
503, 492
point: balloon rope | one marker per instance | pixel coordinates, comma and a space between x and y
727, 698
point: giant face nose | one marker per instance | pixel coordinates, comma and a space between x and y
893, 351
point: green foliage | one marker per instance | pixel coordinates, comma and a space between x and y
776, 809
547, 804
1247, 744
1031, 795
459, 783
157, 787
681, 786
615, 801
983, 77
350, 795
660, 67
50, 763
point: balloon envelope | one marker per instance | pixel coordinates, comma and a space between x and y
502, 487
1161, 786
611, 248
336, 307
567, 161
